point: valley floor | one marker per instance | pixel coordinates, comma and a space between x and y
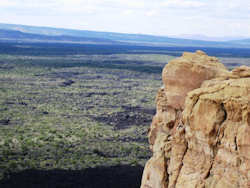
80, 119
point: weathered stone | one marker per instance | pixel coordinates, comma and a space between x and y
200, 135
242, 71
187, 73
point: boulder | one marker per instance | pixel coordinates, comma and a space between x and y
187, 73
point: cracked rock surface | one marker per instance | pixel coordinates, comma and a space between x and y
200, 135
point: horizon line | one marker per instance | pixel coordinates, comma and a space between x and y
177, 36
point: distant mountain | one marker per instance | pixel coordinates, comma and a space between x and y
11, 35
241, 42
70, 35
209, 38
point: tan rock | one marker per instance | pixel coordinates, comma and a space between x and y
216, 124
187, 73
206, 142
155, 174
242, 71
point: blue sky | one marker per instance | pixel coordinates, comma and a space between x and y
158, 17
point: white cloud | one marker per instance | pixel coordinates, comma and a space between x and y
127, 3
6, 3
151, 13
18, 4
127, 12
135, 16
183, 3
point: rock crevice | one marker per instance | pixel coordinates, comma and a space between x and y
200, 135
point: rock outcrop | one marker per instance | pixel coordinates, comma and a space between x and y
200, 135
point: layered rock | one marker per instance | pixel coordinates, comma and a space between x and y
200, 135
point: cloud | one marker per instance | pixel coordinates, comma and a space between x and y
151, 13
164, 17
6, 3
128, 12
183, 3
127, 3
18, 4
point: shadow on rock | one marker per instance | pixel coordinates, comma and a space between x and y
105, 177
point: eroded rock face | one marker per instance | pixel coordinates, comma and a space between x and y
200, 135
187, 73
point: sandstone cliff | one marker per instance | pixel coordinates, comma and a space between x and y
200, 135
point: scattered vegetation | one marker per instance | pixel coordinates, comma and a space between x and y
76, 112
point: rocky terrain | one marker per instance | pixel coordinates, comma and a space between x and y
200, 133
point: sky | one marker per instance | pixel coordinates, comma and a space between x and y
158, 17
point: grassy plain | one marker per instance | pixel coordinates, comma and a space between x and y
76, 112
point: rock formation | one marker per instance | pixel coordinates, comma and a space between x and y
200, 135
